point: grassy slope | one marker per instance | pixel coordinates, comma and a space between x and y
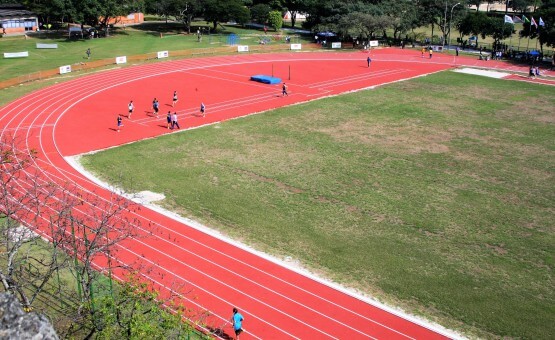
434, 194
134, 40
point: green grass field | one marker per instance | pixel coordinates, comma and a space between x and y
435, 194
134, 40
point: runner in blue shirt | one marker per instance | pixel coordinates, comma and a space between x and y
237, 320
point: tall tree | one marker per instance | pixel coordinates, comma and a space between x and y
545, 32
186, 10
294, 7
403, 15
216, 11
522, 6
163, 8
259, 13
475, 23
436, 12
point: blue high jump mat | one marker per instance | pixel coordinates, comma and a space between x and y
266, 79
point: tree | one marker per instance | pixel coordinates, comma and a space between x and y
403, 15
163, 8
521, 6
498, 29
216, 11
275, 20
293, 6
134, 311
25, 199
547, 31
186, 10
321, 11
353, 25
94, 229
436, 13
50, 10
259, 13
475, 23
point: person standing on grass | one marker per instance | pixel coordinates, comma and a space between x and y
457, 49
174, 121
120, 123
284, 90
368, 61
130, 108
169, 119
237, 321
174, 101
203, 109
88, 52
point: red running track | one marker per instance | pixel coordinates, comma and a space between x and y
79, 116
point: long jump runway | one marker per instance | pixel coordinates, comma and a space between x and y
206, 273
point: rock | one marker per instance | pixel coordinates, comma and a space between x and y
16, 324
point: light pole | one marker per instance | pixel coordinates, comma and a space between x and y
450, 20
444, 25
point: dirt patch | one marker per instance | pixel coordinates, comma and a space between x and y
497, 248
279, 184
409, 138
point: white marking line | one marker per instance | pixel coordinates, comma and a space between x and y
361, 77
28, 127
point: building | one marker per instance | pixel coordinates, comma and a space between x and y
14, 18
133, 18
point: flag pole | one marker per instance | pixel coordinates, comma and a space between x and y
529, 32
538, 36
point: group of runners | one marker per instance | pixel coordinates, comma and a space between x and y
171, 119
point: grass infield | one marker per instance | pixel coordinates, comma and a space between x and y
434, 194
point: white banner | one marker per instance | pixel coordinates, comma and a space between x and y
16, 54
121, 60
65, 69
374, 43
335, 45
163, 54
242, 48
295, 46
47, 45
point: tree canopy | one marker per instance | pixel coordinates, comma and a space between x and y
348, 19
